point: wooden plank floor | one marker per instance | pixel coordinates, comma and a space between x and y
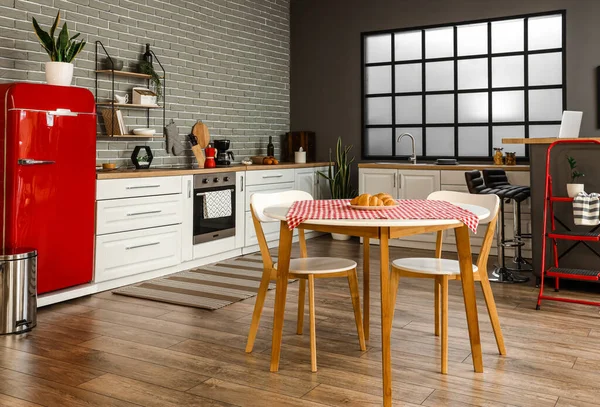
109, 350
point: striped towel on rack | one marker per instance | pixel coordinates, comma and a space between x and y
586, 209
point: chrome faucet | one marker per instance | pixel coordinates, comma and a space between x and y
413, 157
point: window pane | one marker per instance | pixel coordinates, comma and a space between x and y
472, 39
409, 109
379, 110
408, 46
508, 71
473, 141
440, 141
409, 78
545, 32
439, 42
543, 131
473, 107
545, 69
439, 75
545, 104
507, 35
508, 106
379, 141
379, 79
440, 108
473, 74
500, 132
378, 48
404, 147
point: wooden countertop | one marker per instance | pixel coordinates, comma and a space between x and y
547, 140
169, 172
459, 167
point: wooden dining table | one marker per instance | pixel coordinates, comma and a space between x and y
382, 229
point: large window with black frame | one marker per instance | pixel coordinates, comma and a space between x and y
461, 88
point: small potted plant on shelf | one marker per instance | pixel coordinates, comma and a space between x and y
62, 51
338, 176
573, 189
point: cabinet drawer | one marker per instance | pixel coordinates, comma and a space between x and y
128, 253
453, 178
121, 215
133, 187
270, 188
262, 177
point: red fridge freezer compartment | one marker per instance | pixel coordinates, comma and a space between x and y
48, 161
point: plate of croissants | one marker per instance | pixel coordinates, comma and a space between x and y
376, 202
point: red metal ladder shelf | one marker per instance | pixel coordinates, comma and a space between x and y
578, 237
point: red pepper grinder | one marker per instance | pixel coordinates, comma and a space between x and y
210, 154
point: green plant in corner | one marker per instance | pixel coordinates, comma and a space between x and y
147, 68
574, 171
338, 173
64, 48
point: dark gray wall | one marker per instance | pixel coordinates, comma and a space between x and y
325, 54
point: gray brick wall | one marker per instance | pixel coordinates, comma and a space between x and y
227, 64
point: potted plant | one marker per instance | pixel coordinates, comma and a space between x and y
62, 51
338, 175
147, 68
573, 189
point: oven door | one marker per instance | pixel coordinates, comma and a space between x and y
214, 213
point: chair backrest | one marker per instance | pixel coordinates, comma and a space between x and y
489, 201
258, 202
474, 182
495, 178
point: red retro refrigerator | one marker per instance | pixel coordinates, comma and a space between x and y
48, 165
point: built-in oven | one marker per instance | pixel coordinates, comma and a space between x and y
214, 206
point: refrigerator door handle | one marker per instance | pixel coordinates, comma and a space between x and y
63, 112
30, 161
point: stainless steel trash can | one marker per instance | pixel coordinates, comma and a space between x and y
18, 290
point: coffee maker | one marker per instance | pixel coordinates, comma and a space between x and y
223, 155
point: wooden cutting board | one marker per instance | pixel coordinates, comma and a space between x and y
202, 135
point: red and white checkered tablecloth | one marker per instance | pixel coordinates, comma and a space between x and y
406, 209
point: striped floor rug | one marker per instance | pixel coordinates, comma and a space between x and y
211, 287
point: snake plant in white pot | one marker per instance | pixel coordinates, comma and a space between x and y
62, 51
338, 175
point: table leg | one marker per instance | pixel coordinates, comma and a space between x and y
283, 267
465, 260
366, 288
386, 316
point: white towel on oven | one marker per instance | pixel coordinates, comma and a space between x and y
586, 209
217, 204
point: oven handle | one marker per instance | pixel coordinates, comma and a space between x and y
142, 245
201, 194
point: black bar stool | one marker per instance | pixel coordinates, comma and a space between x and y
506, 192
496, 178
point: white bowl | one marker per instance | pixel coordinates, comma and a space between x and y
144, 132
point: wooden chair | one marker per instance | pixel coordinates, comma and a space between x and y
442, 270
305, 269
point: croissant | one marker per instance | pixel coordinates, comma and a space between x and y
363, 200
389, 202
354, 201
374, 201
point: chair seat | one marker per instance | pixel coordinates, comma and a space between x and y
320, 265
433, 266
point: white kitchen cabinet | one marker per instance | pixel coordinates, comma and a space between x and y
417, 184
128, 253
187, 224
274, 176
268, 188
375, 180
305, 179
240, 209
322, 190
134, 187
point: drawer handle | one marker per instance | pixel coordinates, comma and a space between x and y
273, 176
143, 186
143, 213
142, 245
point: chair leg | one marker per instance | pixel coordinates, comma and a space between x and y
394, 282
311, 313
301, 301
444, 292
436, 290
258, 307
354, 294
488, 295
